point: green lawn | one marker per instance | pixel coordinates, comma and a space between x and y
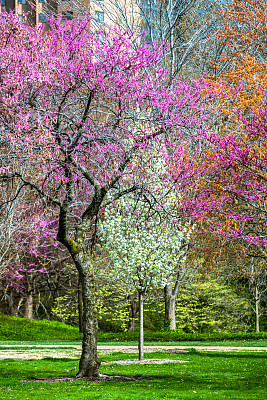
207, 375
21, 329
236, 343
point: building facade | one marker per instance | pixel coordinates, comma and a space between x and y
125, 13
37, 11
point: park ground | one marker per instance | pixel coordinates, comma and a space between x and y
170, 371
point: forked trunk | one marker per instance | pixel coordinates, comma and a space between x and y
14, 306
170, 297
89, 363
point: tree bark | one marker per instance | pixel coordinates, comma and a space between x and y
169, 320
80, 306
170, 296
141, 325
13, 305
132, 314
28, 312
257, 316
89, 363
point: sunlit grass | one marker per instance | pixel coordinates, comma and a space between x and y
65, 343
207, 375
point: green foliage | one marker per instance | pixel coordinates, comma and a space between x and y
21, 329
65, 307
112, 305
154, 311
179, 336
206, 306
112, 299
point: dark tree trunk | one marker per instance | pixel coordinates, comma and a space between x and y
80, 305
132, 313
89, 363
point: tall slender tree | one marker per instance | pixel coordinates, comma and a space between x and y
144, 250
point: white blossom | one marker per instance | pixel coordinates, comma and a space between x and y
144, 252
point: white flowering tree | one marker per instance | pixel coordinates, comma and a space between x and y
144, 251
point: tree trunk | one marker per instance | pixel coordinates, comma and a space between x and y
14, 308
28, 312
170, 296
89, 363
12, 303
132, 314
257, 316
80, 305
141, 325
169, 320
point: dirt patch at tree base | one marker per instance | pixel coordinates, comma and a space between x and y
146, 361
103, 378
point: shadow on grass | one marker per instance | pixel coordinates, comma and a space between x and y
206, 372
235, 355
55, 360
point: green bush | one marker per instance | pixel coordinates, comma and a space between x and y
21, 329
178, 336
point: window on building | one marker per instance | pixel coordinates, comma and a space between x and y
42, 18
101, 36
67, 15
22, 1
99, 16
22, 18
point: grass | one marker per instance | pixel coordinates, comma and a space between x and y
206, 376
21, 329
62, 344
236, 343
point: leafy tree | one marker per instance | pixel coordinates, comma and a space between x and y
206, 306
112, 300
233, 263
244, 28
143, 251
234, 183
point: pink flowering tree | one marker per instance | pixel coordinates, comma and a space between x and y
225, 190
37, 258
224, 181
81, 115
